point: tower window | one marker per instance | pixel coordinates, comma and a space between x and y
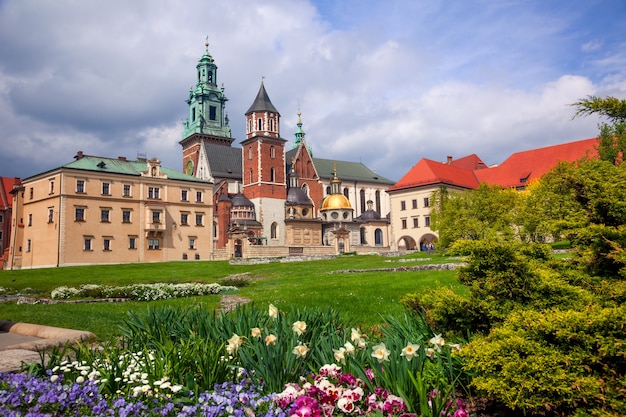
272, 125
272, 152
212, 113
193, 114
272, 175
274, 230
259, 124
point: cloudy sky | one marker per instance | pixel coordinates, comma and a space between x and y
381, 82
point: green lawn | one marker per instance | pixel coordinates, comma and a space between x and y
361, 297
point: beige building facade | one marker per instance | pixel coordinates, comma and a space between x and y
98, 210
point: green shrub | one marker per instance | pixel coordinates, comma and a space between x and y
555, 361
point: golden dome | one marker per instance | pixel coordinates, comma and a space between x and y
336, 201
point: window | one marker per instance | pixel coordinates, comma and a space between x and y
197, 256
104, 215
125, 216
156, 217
126, 190
272, 152
87, 243
183, 195
30, 193
51, 186
271, 125
50, 215
427, 221
153, 244
106, 188
272, 175
362, 198
250, 152
1, 217
404, 223
402, 205
362, 235
378, 237
198, 196
328, 190
426, 202
132, 242
250, 180
184, 257
106, 244
28, 245
249, 125
192, 243
378, 201
30, 219
80, 186
153, 192
259, 124
416, 222
184, 219
274, 230
414, 203
199, 219
346, 192
79, 215
214, 229
212, 113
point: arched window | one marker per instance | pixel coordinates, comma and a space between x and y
346, 192
250, 176
214, 229
363, 239
378, 202
272, 152
259, 124
274, 230
271, 125
328, 190
362, 197
272, 175
250, 126
250, 152
305, 188
378, 237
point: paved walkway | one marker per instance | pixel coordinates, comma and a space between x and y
22, 342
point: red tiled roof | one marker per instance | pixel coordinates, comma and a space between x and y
6, 185
429, 172
515, 171
468, 162
521, 167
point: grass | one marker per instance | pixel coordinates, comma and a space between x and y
360, 297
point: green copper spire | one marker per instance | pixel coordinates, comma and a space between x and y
206, 101
300, 134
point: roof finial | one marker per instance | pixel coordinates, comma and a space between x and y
206, 44
262, 78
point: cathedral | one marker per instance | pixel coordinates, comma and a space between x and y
272, 201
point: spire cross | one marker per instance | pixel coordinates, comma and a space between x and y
206, 43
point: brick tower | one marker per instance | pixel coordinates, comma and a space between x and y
264, 168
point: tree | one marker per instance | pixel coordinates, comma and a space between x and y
612, 146
484, 213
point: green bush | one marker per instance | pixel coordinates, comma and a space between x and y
556, 361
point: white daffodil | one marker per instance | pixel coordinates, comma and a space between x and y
300, 350
273, 311
438, 342
299, 327
410, 351
381, 352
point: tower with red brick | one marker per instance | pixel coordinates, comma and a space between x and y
264, 167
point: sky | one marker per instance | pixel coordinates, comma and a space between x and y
385, 83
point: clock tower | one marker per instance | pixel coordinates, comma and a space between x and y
207, 122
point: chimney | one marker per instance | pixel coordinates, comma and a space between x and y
449, 159
79, 155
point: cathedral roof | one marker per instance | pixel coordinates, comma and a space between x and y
224, 161
240, 200
297, 196
369, 215
262, 102
335, 201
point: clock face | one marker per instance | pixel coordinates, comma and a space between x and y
189, 168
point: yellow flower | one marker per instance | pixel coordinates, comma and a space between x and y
380, 352
256, 332
273, 311
409, 351
299, 327
300, 350
270, 339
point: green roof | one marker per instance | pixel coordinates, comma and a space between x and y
124, 167
348, 171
